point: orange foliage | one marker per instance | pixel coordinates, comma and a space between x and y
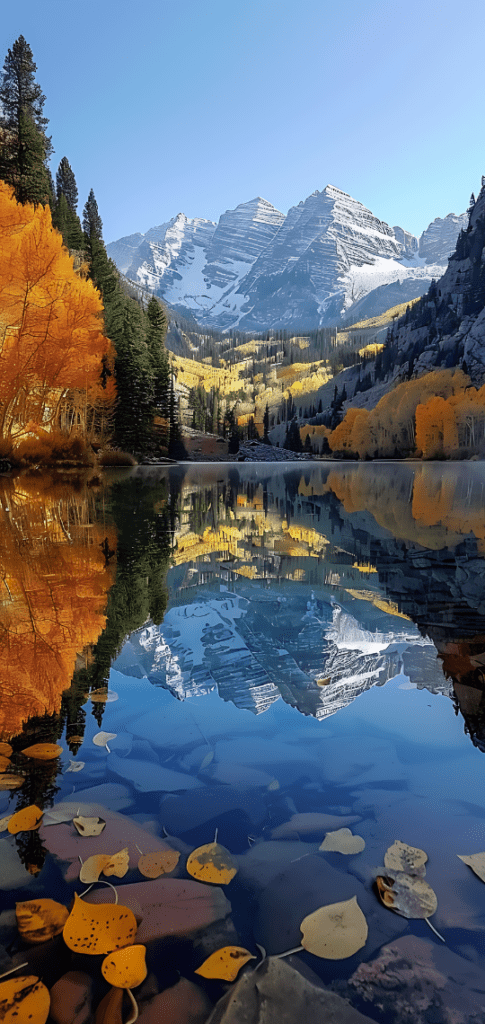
51, 340
53, 592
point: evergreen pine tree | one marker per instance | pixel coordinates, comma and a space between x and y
176, 447
156, 333
24, 146
66, 184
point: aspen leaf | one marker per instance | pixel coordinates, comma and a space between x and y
40, 920
75, 766
118, 864
342, 841
88, 826
98, 927
211, 863
43, 751
475, 861
10, 781
408, 895
102, 696
24, 998
26, 820
4, 822
6, 750
125, 968
4, 762
102, 739
401, 857
161, 862
93, 867
335, 931
75, 739
225, 963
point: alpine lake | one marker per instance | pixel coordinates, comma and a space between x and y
257, 656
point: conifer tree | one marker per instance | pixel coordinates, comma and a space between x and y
66, 184
24, 146
156, 333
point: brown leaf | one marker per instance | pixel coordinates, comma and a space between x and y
10, 781
407, 895
40, 920
161, 862
109, 1009
211, 863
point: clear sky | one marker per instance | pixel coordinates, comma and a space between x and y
195, 106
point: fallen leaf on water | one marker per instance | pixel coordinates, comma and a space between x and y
125, 968
4, 822
26, 820
335, 931
161, 862
102, 739
401, 857
6, 750
408, 895
118, 864
102, 695
98, 927
342, 841
23, 999
75, 739
43, 751
10, 781
88, 826
211, 863
75, 766
93, 867
475, 861
225, 963
4, 762
40, 920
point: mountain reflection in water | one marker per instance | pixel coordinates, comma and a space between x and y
218, 602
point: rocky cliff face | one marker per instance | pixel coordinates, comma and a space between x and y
439, 239
257, 269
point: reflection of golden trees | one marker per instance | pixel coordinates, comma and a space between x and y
53, 590
414, 505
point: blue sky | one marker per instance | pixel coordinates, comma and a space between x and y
166, 106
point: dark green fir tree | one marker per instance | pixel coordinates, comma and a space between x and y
64, 216
24, 145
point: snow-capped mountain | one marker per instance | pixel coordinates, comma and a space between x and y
257, 269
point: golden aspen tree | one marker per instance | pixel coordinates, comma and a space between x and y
52, 344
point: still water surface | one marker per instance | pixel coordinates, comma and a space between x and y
277, 643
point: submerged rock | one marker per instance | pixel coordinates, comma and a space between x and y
274, 993
170, 906
414, 981
183, 1003
148, 777
67, 846
71, 999
183, 813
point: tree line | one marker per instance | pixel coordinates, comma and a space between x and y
129, 364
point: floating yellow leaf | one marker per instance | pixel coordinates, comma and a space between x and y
88, 826
225, 963
342, 841
161, 862
118, 864
401, 857
98, 927
125, 968
24, 999
335, 931
4, 762
40, 920
26, 820
475, 861
43, 751
408, 895
211, 863
93, 867
4, 822
102, 738
6, 750
102, 695
10, 781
